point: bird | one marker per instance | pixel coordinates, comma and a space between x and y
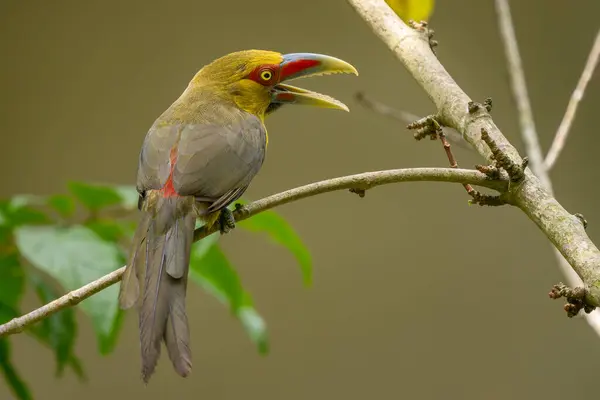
198, 157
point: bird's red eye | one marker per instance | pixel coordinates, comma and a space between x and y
265, 75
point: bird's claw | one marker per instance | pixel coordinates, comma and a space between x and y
226, 221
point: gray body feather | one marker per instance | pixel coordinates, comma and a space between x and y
215, 161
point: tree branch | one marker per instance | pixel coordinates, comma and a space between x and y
412, 48
360, 182
528, 132
520, 94
563, 130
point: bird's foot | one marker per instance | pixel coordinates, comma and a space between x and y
226, 221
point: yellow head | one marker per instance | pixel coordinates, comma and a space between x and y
253, 78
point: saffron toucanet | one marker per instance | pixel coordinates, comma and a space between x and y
198, 157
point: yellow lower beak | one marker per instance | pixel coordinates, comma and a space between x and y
301, 65
288, 94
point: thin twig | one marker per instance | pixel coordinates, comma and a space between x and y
519, 91
529, 133
431, 128
565, 125
407, 117
477, 197
452, 159
362, 182
385, 110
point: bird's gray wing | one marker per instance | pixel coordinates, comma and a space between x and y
215, 163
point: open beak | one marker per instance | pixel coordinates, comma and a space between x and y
302, 65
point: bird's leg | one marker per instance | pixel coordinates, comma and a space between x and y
226, 221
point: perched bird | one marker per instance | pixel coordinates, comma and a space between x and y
198, 157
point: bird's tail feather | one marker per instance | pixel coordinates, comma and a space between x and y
159, 266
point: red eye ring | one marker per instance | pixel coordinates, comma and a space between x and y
265, 74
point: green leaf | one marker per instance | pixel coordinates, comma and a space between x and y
94, 196
58, 331
3, 212
5, 236
75, 256
12, 279
17, 213
108, 342
16, 383
110, 231
210, 269
7, 313
63, 204
22, 200
281, 232
12, 283
254, 324
214, 273
129, 196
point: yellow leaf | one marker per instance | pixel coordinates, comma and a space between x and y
417, 10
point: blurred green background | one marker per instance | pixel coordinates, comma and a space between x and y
415, 293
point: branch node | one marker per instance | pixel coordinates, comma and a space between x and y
241, 210
360, 192
582, 219
481, 199
429, 126
423, 27
487, 103
73, 299
492, 171
524, 163
515, 172
575, 299
474, 106
426, 127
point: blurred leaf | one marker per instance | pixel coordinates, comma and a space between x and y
128, 228
12, 279
254, 324
129, 196
28, 216
12, 284
17, 212
3, 216
113, 230
94, 196
110, 231
22, 200
18, 386
59, 331
108, 342
210, 269
417, 10
75, 256
281, 232
7, 313
10, 298
63, 204
5, 236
